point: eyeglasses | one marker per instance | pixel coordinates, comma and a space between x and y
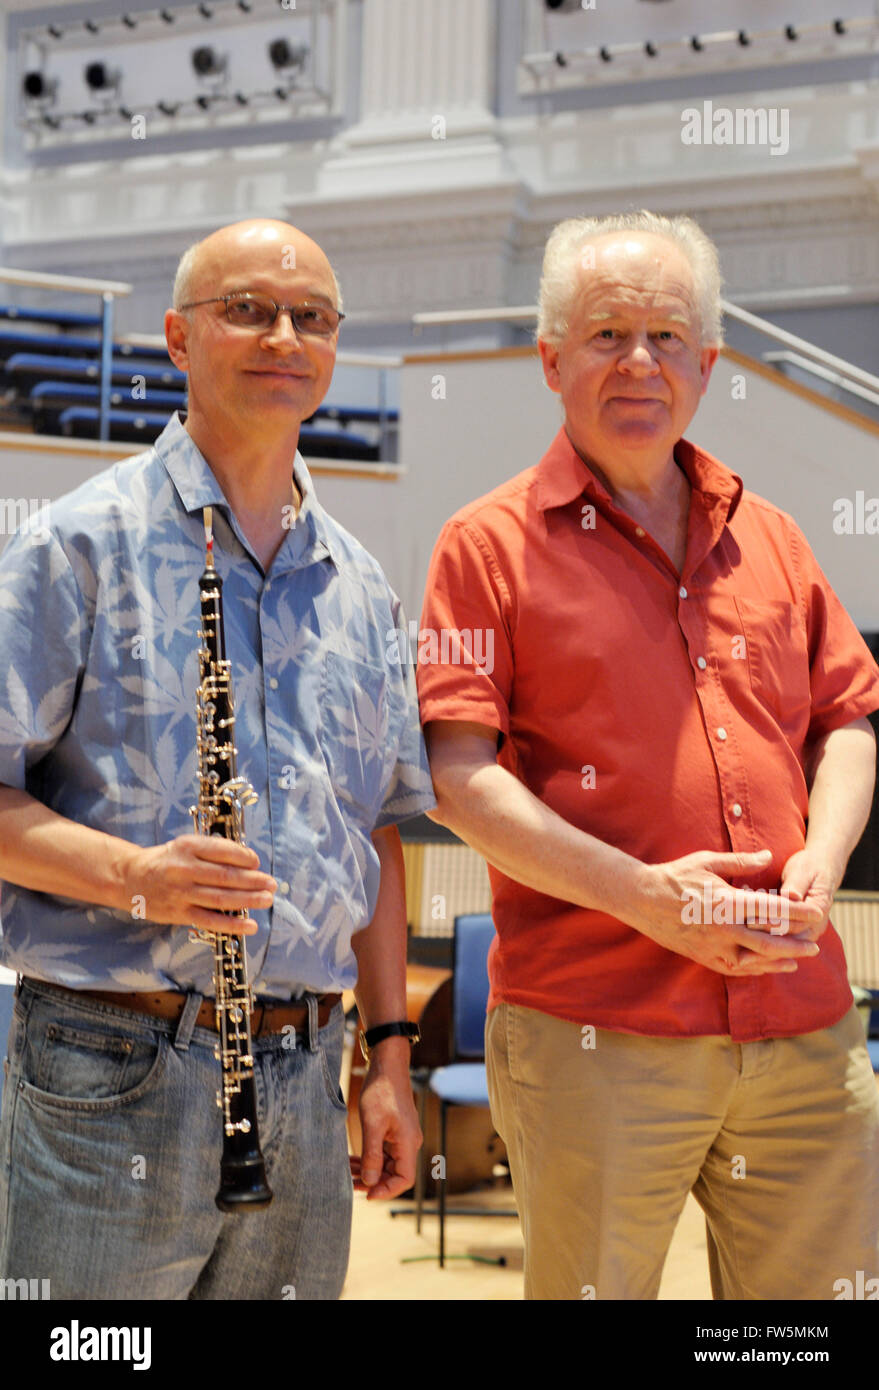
258, 311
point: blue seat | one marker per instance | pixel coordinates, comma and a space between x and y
464, 1081
26, 369
61, 317
49, 398
83, 422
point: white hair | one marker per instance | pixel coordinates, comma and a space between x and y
559, 282
183, 280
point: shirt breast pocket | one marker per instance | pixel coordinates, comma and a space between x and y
778, 658
354, 730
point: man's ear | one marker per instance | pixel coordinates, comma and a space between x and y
176, 331
549, 356
709, 357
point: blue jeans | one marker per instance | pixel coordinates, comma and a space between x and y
110, 1144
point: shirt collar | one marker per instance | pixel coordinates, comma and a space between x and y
563, 476
197, 486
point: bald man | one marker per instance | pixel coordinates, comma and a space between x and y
111, 1138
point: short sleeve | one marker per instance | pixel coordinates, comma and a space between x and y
410, 790
44, 639
465, 653
844, 678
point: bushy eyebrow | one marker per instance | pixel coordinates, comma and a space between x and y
603, 316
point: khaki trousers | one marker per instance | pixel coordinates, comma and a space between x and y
777, 1140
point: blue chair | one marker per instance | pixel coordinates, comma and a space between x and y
464, 1081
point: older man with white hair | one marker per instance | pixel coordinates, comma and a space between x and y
667, 767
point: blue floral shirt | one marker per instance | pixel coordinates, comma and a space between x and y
99, 616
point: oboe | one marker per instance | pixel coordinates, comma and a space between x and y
222, 797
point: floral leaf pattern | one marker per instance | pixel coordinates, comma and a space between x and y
99, 620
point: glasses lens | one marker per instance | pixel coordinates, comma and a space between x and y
316, 318
250, 311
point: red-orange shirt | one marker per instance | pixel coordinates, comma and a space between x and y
662, 713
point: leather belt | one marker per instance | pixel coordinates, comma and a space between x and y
269, 1015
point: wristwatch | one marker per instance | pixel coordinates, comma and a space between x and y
373, 1036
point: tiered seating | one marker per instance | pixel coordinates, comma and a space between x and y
51, 382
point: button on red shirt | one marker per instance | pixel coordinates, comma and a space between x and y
662, 713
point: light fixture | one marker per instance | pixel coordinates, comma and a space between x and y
207, 62
287, 57
100, 79
39, 89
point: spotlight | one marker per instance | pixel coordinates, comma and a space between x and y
744, 38
37, 87
100, 79
839, 26
207, 62
605, 54
129, 21
92, 26
205, 11
790, 32
167, 15
650, 49
284, 55
696, 43
167, 108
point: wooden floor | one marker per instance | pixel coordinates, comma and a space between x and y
389, 1261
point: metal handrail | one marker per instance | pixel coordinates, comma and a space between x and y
75, 284
794, 359
109, 290
827, 359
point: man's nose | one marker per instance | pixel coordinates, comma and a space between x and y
638, 355
283, 332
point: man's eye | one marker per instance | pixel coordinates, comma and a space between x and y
246, 308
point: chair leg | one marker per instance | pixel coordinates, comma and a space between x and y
420, 1175
442, 1187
